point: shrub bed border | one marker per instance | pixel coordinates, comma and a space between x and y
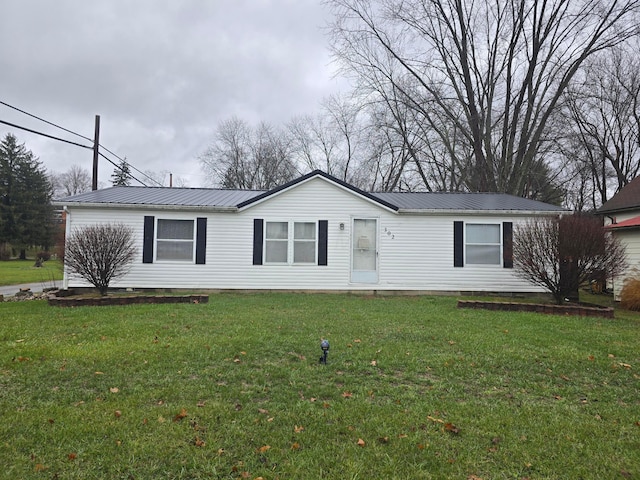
578, 310
125, 300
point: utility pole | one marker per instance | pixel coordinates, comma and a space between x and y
96, 143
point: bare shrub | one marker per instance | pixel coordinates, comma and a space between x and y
100, 253
543, 247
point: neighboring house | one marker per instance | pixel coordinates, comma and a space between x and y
622, 218
315, 233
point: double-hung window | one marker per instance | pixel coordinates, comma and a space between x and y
483, 244
291, 242
175, 240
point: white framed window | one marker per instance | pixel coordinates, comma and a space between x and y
276, 242
483, 244
291, 242
175, 240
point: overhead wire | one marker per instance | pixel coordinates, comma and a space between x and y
44, 134
74, 143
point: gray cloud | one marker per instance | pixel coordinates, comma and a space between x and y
161, 74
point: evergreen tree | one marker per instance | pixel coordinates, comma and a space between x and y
26, 213
121, 176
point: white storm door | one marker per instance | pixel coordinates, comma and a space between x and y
364, 251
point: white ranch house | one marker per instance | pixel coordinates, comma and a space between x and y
315, 233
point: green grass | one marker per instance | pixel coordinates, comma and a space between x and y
233, 389
15, 272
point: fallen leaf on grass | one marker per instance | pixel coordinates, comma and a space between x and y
72, 456
383, 439
434, 420
201, 404
625, 365
180, 416
295, 446
374, 363
347, 394
263, 411
263, 449
40, 467
298, 428
198, 443
117, 413
361, 442
450, 427
114, 389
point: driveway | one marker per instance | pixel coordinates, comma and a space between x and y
11, 290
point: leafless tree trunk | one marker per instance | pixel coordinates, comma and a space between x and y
493, 72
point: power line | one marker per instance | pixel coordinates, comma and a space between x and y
73, 143
45, 121
45, 134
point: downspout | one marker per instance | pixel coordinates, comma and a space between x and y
67, 232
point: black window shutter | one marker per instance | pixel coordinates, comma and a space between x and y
201, 240
458, 244
147, 239
258, 233
323, 227
507, 244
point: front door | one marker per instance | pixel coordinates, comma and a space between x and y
364, 251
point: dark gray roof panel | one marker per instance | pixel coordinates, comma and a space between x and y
464, 201
222, 198
191, 197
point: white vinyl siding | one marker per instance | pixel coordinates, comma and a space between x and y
482, 244
175, 240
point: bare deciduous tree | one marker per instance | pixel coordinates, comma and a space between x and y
493, 72
542, 248
72, 182
603, 111
248, 158
100, 253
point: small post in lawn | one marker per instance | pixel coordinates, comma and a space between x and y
324, 345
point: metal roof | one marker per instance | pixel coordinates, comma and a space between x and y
629, 223
234, 199
464, 201
187, 197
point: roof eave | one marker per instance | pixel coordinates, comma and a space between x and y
442, 211
140, 206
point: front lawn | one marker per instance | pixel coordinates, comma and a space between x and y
15, 272
414, 388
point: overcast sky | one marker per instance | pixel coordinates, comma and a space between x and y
160, 73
